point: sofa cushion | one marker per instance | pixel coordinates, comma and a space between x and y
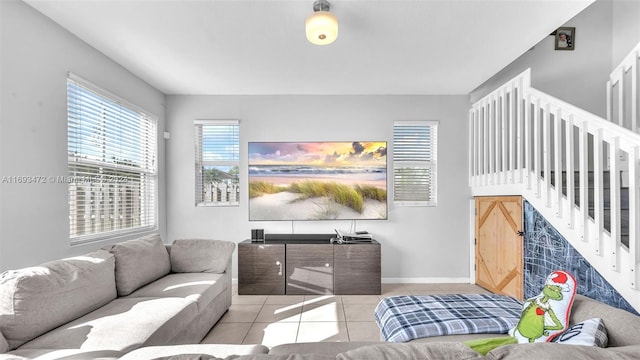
122, 325
622, 326
139, 262
199, 255
198, 287
37, 299
212, 350
435, 350
64, 354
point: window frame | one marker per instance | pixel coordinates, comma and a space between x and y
110, 172
415, 161
199, 162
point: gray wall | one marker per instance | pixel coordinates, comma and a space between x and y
417, 242
36, 56
626, 28
579, 76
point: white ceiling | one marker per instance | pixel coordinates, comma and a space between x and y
259, 46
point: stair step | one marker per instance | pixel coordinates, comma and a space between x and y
624, 223
606, 194
624, 220
624, 198
590, 181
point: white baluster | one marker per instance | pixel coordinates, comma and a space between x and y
634, 216
537, 151
598, 190
487, 140
504, 136
557, 160
517, 146
527, 143
584, 179
614, 203
570, 169
546, 149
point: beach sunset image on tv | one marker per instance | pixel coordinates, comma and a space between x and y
317, 180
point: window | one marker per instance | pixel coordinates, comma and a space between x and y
217, 162
414, 163
111, 162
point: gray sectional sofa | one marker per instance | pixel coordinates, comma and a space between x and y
109, 302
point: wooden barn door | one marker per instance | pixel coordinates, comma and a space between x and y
499, 245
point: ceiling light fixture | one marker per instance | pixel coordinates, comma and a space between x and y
322, 26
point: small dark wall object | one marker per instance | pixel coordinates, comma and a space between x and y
565, 38
257, 235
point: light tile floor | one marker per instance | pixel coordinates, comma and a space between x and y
280, 319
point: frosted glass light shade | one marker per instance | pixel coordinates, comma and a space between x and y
322, 28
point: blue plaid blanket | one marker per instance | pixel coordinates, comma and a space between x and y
404, 318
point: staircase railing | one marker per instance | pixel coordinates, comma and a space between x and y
623, 97
562, 159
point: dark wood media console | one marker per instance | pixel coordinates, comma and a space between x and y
303, 264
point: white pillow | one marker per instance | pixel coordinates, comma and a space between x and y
589, 332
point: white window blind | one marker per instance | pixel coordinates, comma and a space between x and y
217, 162
111, 162
415, 152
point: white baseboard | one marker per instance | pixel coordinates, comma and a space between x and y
463, 280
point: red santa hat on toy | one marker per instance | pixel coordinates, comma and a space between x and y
561, 279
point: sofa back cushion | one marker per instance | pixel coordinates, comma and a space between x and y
139, 262
200, 255
37, 299
622, 326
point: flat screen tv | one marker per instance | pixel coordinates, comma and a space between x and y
318, 180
